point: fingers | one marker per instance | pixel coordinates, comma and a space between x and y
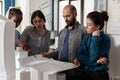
17, 41
76, 62
96, 33
46, 55
26, 47
102, 60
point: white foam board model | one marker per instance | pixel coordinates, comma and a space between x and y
44, 68
7, 49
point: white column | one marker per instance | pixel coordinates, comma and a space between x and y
7, 49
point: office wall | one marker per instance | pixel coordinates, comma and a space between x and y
113, 29
8, 3
115, 56
114, 13
88, 7
24, 5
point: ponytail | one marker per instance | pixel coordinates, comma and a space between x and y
105, 15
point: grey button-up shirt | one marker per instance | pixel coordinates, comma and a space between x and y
38, 43
74, 42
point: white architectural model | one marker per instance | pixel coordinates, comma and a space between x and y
7, 49
44, 68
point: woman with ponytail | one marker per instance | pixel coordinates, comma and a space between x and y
95, 48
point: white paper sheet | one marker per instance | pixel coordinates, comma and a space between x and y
45, 65
32, 60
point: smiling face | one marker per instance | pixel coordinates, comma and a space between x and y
38, 23
90, 26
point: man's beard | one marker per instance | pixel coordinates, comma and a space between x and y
71, 23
